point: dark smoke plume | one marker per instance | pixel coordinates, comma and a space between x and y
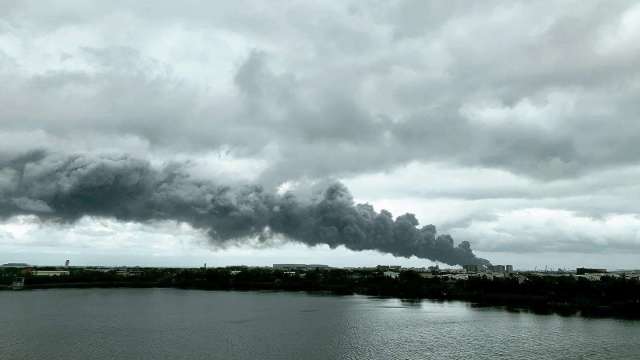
129, 189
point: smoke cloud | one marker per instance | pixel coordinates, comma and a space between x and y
69, 187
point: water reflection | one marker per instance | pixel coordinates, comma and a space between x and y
170, 324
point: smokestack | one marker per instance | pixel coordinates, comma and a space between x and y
129, 189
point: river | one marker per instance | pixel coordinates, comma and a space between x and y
100, 324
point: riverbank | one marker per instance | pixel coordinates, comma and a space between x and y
608, 297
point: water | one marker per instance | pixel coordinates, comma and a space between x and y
191, 324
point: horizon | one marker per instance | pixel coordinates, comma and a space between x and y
150, 133
539, 268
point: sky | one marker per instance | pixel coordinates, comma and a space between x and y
510, 125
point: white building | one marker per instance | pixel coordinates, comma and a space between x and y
127, 272
50, 273
391, 274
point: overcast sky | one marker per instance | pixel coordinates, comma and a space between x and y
511, 125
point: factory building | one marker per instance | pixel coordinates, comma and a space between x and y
15, 265
391, 274
50, 273
299, 267
583, 271
474, 268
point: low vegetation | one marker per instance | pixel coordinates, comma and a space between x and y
564, 295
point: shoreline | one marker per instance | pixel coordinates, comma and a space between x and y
538, 305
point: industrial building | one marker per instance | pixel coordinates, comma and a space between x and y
391, 274
583, 271
474, 268
50, 273
300, 267
129, 272
15, 265
388, 267
490, 268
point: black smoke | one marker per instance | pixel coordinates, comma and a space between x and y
69, 187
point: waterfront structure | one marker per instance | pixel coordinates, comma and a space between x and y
17, 284
127, 272
391, 274
583, 271
50, 273
388, 267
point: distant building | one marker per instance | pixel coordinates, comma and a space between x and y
237, 267
103, 269
419, 269
459, 277
17, 284
66, 263
15, 265
391, 274
50, 273
582, 271
473, 268
592, 276
521, 279
127, 272
317, 267
388, 267
299, 267
500, 268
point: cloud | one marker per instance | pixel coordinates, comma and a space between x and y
453, 89
548, 230
305, 92
500, 212
128, 189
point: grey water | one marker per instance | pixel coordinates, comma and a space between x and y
70, 324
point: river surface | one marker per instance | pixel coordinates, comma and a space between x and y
101, 324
